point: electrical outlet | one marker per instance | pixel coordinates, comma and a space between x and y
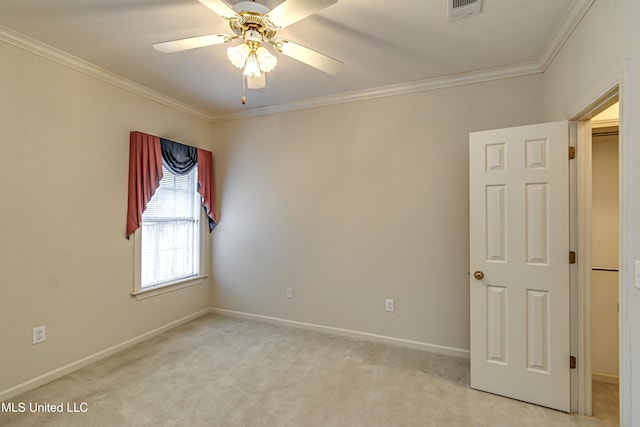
389, 304
289, 292
39, 334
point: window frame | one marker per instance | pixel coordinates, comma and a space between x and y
173, 285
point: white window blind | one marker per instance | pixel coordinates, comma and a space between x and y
170, 230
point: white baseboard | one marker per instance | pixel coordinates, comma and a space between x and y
432, 348
74, 366
604, 378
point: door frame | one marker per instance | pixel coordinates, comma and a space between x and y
604, 96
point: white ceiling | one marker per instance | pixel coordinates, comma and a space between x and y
382, 43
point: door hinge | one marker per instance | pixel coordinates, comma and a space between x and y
572, 257
572, 153
572, 362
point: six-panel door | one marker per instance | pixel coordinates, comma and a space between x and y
519, 230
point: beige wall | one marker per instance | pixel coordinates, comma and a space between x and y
603, 49
354, 203
64, 261
604, 238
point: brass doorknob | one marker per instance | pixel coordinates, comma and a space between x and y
479, 275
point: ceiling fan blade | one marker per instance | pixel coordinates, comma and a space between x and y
220, 7
291, 11
192, 43
308, 56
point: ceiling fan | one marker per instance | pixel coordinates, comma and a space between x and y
257, 25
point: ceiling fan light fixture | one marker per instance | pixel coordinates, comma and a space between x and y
252, 66
267, 61
253, 62
238, 55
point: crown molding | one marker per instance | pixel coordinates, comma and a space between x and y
36, 47
391, 90
563, 31
63, 58
570, 21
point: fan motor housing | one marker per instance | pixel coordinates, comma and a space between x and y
252, 16
252, 21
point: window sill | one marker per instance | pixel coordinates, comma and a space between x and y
164, 288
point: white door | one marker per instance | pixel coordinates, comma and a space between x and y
519, 230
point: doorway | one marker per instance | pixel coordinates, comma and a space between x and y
605, 213
581, 310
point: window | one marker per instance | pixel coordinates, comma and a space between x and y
168, 182
170, 232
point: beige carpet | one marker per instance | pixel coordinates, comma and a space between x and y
220, 371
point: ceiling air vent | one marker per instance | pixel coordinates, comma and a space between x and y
459, 9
